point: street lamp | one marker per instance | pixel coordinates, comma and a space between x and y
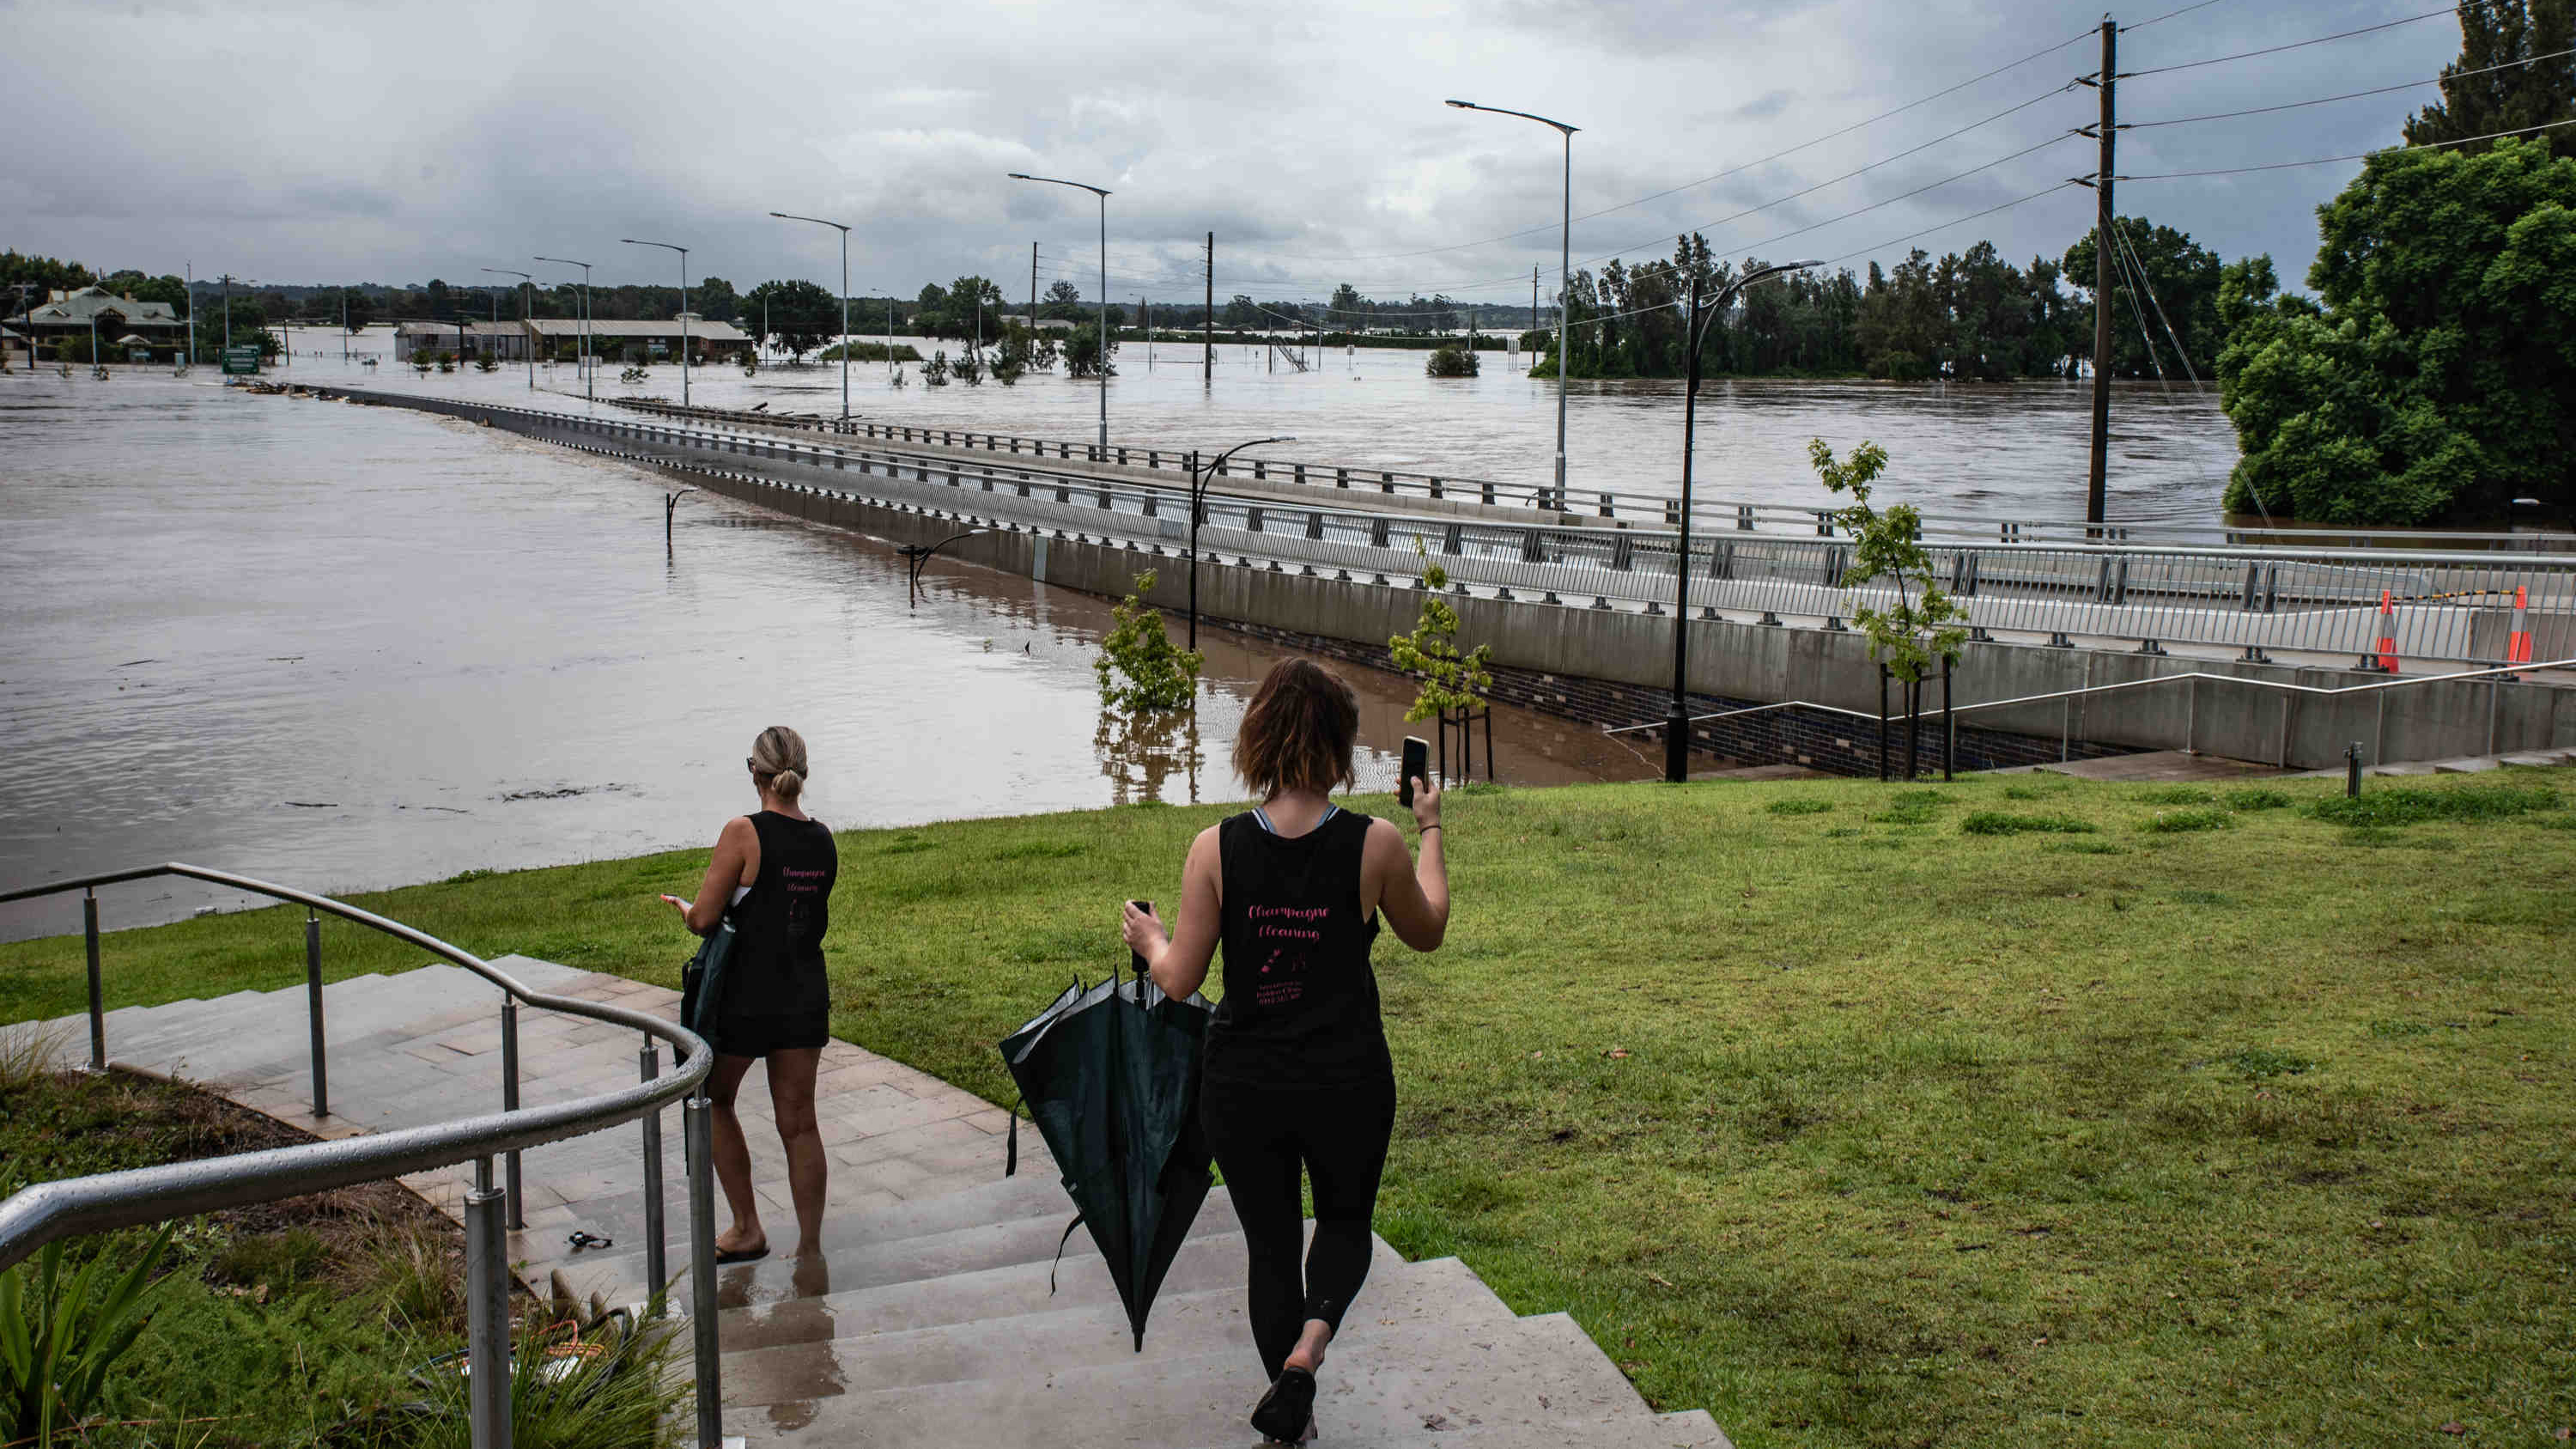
684, 307
1564, 275
527, 315
590, 374
1199, 479
1104, 293
1677, 714
919, 554
845, 301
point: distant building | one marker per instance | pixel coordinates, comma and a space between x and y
611, 338
502, 341
71, 314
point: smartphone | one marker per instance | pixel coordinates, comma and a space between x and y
1136, 959
675, 900
1417, 764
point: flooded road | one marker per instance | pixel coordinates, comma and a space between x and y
2017, 451
353, 647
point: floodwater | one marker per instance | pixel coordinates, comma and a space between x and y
2016, 451
346, 647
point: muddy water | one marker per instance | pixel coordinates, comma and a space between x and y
350, 647
2018, 451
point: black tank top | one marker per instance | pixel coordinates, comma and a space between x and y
776, 968
1300, 1006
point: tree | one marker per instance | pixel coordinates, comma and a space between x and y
801, 314
1452, 683
2437, 380
49, 273
713, 298
1924, 625
1450, 361
2182, 277
1061, 293
2500, 33
361, 307
1141, 671
1240, 312
1082, 357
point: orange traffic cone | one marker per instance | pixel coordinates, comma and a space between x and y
2387, 632
2518, 647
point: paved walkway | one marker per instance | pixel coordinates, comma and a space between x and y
936, 1314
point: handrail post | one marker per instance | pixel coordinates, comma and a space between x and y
313, 1010
97, 1012
697, 1129
510, 1100
657, 1268
487, 1313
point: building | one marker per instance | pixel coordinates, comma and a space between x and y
65, 315
614, 339
501, 341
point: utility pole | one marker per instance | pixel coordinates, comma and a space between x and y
1033, 294
1207, 324
2104, 218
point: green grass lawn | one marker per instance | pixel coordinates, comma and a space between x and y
2122, 1116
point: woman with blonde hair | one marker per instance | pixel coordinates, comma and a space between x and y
1298, 1082
772, 874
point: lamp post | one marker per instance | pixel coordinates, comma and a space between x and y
1104, 292
1677, 714
684, 306
919, 554
1564, 275
527, 315
845, 301
1199, 478
590, 375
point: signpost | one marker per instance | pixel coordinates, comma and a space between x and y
241, 362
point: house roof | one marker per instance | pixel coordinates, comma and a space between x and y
74, 309
606, 327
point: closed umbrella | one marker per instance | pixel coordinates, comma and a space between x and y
1111, 1078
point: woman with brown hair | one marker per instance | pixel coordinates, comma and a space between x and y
773, 871
1298, 1082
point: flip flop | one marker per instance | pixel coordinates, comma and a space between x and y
1285, 1411
741, 1255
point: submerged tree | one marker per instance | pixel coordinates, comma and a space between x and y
1141, 671
1452, 683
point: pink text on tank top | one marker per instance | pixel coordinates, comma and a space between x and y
1288, 931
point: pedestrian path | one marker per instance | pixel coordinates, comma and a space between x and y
936, 1314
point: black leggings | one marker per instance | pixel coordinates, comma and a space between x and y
1262, 1136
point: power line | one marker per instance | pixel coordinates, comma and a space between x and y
2294, 45
2168, 15
2363, 156
1954, 221
1703, 181
2347, 96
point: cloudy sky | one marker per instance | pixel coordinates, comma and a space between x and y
303, 142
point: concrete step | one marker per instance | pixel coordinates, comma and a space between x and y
852, 1259
1692, 1430
1537, 1375
621, 1218
1084, 1334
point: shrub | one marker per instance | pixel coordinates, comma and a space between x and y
2177, 822
1450, 361
1140, 669
61, 1334
2406, 805
1996, 822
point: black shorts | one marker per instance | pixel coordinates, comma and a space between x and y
758, 1036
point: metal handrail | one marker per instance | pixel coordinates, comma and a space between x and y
50, 1211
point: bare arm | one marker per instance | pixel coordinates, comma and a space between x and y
736, 859
1178, 962
1413, 895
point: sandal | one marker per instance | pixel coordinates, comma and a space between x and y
1288, 1409
741, 1255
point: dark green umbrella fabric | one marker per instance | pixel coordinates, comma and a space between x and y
1111, 1078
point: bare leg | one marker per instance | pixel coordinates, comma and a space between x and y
791, 1099
1309, 1352
733, 1157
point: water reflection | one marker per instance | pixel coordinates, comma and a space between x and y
1141, 753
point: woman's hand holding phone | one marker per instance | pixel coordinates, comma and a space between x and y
677, 904
1426, 804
